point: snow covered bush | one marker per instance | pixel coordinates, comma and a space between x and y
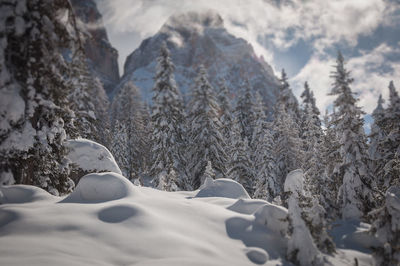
87, 156
307, 226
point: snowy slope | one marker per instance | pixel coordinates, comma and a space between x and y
196, 38
109, 221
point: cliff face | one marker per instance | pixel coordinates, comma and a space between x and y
102, 57
200, 38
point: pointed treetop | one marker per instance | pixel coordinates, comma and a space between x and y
393, 95
164, 49
306, 93
309, 99
284, 80
283, 75
378, 113
381, 101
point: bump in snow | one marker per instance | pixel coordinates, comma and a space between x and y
95, 188
223, 188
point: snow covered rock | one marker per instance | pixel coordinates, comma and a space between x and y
95, 188
89, 157
223, 187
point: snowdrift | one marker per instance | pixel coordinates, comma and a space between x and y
109, 221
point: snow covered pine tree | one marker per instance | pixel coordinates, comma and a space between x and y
127, 114
357, 190
206, 142
168, 119
34, 87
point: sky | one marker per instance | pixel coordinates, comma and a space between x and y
301, 36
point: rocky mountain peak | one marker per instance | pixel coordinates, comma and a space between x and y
102, 57
200, 38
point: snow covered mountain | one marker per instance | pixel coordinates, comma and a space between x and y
102, 57
196, 38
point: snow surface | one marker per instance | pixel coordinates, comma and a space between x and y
91, 156
109, 221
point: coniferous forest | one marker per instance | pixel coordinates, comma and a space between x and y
317, 167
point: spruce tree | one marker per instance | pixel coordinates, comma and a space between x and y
206, 141
261, 154
35, 77
80, 99
386, 229
241, 165
127, 114
356, 192
309, 100
266, 183
226, 111
286, 99
389, 147
331, 176
119, 147
377, 136
311, 134
287, 144
168, 120
244, 111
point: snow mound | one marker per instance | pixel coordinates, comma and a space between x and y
22, 194
247, 206
294, 181
90, 156
273, 217
223, 187
102, 187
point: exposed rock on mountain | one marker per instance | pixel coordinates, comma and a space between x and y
102, 57
196, 38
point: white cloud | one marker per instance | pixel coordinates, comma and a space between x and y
323, 22
368, 83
